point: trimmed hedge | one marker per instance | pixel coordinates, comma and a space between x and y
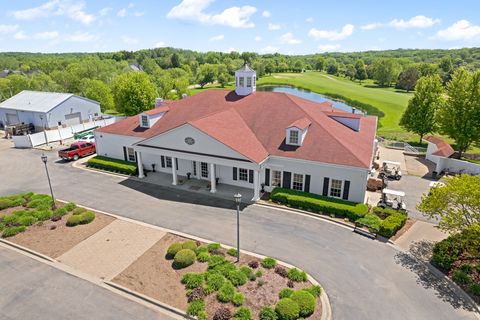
184, 258
189, 244
173, 249
392, 224
372, 221
83, 218
287, 309
319, 204
115, 165
306, 302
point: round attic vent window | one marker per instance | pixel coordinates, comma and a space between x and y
189, 140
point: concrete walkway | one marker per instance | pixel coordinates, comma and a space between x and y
112, 249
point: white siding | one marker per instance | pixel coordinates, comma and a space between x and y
111, 145
72, 105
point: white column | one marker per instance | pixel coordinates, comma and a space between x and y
256, 185
174, 171
213, 181
140, 165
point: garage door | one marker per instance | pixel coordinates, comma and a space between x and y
12, 118
72, 119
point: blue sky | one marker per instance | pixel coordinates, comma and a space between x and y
292, 27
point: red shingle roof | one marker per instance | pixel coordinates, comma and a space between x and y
254, 126
443, 148
301, 124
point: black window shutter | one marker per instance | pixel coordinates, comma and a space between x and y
234, 173
307, 183
250, 176
176, 163
125, 153
325, 186
267, 177
286, 179
162, 158
136, 156
346, 190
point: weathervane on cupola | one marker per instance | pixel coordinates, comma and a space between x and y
245, 80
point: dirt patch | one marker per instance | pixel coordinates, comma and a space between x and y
53, 238
408, 224
152, 274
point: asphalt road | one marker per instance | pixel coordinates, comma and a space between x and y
34, 290
365, 279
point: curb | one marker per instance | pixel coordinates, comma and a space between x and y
29, 251
326, 307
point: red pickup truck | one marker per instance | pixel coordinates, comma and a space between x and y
77, 150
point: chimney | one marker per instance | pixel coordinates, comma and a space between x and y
353, 110
158, 102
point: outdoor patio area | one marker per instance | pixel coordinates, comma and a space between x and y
223, 191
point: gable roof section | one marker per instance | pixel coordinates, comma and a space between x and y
35, 101
258, 122
301, 124
444, 149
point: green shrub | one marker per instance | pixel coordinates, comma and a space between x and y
318, 203
184, 258
22, 213
287, 309
189, 244
215, 280
202, 315
467, 268
215, 260
446, 252
173, 249
87, 217
269, 263
40, 196
212, 247
259, 273
461, 277
238, 299
11, 220
237, 278
306, 302
26, 195
5, 203
242, 313
247, 271
371, 221
11, 231
195, 307
267, 313
315, 291
42, 214
70, 206
115, 165
201, 249
40, 203
392, 224
383, 213
73, 221
2, 226
78, 210
26, 220
207, 289
285, 293
60, 212
226, 292
193, 280
474, 289
296, 275
203, 256
232, 252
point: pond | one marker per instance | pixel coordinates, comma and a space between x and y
306, 94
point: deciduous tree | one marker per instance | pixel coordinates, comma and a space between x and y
386, 71
408, 79
98, 91
134, 93
360, 71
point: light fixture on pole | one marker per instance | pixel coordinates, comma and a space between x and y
238, 200
44, 160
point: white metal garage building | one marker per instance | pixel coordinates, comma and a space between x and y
47, 110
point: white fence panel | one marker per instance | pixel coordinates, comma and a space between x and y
78, 127
37, 139
457, 166
22, 141
52, 135
65, 133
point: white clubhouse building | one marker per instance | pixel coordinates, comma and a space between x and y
249, 139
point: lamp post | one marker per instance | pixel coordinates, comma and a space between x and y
44, 160
238, 200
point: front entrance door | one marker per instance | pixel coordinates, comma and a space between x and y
204, 170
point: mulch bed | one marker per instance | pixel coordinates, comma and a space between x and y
474, 274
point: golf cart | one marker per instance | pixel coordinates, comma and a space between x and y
392, 199
390, 170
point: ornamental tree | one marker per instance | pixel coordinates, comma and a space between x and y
456, 205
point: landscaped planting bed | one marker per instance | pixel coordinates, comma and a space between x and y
203, 280
28, 220
113, 165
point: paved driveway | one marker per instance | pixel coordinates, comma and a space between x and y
365, 279
33, 290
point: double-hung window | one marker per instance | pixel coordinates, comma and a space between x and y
242, 174
145, 123
293, 137
249, 82
297, 182
204, 169
276, 178
168, 162
336, 188
131, 155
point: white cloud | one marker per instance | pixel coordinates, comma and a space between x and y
131, 5
138, 13
332, 35
81, 37
310, 19
217, 38
414, 22
266, 14
269, 49
289, 38
20, 35
8, 28
231, 50
272, 26
69, 8
160, 44
46, 35
460, 30
122, 13
258, 38
104, 12
328, 47
235, 17
371, 26
129, 40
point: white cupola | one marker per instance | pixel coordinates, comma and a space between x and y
245, 80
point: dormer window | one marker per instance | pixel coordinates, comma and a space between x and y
293, 137
144, 121
297, 131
